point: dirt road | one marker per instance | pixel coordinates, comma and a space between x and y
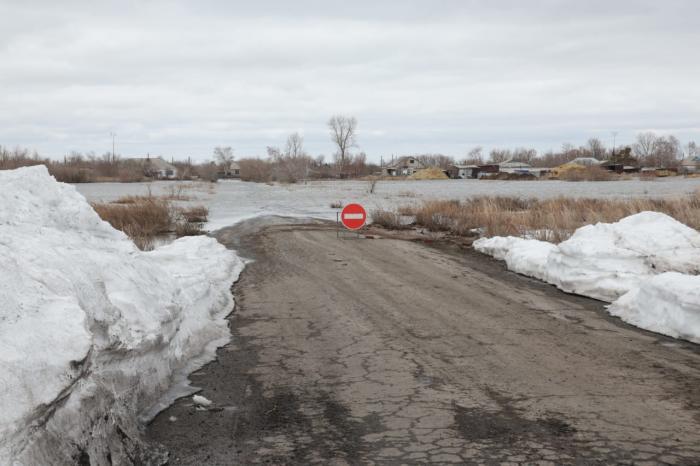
392, 352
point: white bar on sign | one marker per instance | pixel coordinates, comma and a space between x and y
353, 216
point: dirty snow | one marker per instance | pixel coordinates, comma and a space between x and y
199, 400
93, 331
623, 263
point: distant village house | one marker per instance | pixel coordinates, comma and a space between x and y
230, 170
691, 165
462, 172
511, 166
403, 166
155, 167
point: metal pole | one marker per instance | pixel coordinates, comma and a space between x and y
113, 136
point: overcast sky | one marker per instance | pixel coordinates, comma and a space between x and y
177, 78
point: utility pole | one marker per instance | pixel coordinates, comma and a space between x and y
614, 135
114, 158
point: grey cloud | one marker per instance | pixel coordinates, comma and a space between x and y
180, 77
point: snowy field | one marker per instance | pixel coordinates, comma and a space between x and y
232, 201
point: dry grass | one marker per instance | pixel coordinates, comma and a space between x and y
188, 229
407, 210
387, 219
552, 219
196, 214
143, 218
129, 199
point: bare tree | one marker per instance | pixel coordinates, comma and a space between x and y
291, 165
224, 155
658, 151
295, 145
343, 129
668, 152
524, 155
274, 153
596, 148
475, 156
645, 146
436, 160
500, 155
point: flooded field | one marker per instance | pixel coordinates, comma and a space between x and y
232, 201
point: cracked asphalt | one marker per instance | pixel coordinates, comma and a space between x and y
381, 351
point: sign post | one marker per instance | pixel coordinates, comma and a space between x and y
353, 217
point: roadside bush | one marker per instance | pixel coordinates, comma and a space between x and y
438, 215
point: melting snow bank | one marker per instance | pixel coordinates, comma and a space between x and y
93, 331
645, 264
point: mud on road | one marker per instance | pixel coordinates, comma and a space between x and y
380, 351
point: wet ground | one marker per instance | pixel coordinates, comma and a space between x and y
379, 351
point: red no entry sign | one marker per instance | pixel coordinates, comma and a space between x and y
353, 216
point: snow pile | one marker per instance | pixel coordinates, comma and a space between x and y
668, 303
525, 256
608, 261
93, 331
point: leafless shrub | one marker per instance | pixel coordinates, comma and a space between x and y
372, 183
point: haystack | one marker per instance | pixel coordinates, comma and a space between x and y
433, 173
